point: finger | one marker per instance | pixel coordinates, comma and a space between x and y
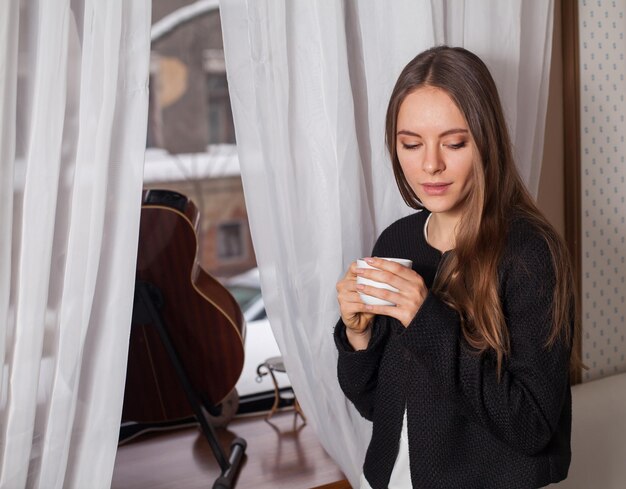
380, 293
350, 297
382, 276
382, 310
404, 307
342, 285
351, 272
410, 299
403, 314
346, 286
403, 278
349, 309
388, 265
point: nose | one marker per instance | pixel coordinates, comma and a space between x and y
433, 162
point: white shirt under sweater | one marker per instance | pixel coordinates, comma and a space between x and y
401, 474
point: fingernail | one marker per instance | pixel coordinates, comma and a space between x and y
370, 260
360, 286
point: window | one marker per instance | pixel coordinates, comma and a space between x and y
231, 243
220, 116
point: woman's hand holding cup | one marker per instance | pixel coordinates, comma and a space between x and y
353, 313
390, 287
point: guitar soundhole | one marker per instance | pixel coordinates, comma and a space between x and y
167, 198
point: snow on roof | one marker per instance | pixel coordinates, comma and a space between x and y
220, 160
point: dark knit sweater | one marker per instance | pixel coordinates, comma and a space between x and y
466, 429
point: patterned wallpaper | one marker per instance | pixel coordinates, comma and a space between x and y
602, 24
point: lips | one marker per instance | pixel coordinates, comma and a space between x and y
435, 188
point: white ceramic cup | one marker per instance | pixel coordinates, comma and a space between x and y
375, 301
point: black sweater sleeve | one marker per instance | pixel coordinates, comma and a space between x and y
523, 408
357, 371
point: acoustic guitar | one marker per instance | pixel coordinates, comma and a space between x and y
203, 321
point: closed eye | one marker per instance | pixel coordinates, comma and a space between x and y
410, 146
457, 145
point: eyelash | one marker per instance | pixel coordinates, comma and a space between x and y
451, 146
410, 146
457, 145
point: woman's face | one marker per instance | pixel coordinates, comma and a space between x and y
436, 150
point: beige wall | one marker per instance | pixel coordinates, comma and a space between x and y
603, 228
603, 186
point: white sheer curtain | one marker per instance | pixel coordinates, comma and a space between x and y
73, 111
309, 85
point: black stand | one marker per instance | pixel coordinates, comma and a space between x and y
146, 310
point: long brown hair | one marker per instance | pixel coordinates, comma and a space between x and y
468, 279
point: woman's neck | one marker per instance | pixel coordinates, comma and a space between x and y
442, 231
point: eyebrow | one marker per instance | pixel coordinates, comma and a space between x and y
445, 133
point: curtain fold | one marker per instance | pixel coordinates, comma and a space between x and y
9, 18
309, 84
72, 162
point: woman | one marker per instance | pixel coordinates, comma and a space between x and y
466, 378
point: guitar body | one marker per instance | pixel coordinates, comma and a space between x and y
202, 319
